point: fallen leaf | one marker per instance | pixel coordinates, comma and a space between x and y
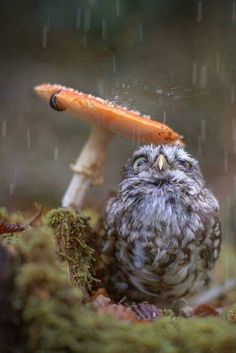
99, 291
101, 301
205, 310
11, 228
120, 312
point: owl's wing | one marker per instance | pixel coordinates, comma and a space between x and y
216, 239
110, 231
109, 241
212, 242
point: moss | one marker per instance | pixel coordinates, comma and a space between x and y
229, 314
11, 335
54, 320
92, 216
168, 313
72, 231
44, 313
12, 218
43, 297
37, 248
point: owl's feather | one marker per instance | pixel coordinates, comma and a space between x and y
163, 227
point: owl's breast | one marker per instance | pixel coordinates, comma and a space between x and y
165, 218
163, 277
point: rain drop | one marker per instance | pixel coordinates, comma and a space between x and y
45, 36
232, 94
234, 134
218, 63
234, 147
84, 41
117, 8
78, 18
199, 12
203, 76
28, 138
234, 130
56, 153
233, 12
100, 88
12, 187
226, 161
113, 64
4, 128
103, 28
234, 188
87, 20
199, 145
164, 117
203, 130
140, 32
159, 91
194, 73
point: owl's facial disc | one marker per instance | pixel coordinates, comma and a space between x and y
165, 167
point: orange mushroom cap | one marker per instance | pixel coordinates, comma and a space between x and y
107, 115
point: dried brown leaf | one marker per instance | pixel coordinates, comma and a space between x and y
100, 291
205, 310
101, 301
119, 311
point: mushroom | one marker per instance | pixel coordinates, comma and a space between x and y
106, 120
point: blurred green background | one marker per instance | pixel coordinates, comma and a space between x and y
172, 59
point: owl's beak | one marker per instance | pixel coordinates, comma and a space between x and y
161, 162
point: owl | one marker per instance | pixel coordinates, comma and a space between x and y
163, 229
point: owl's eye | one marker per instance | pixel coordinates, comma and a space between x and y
186, 164
139, 161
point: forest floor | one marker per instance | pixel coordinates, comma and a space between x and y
53, 295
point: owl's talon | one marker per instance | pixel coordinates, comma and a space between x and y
146, 311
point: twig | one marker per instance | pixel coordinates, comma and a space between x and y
6, 228
122, 300
37, 216
213, 293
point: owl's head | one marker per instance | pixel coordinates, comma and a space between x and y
163, 166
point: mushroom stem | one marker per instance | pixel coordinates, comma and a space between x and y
87, 168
